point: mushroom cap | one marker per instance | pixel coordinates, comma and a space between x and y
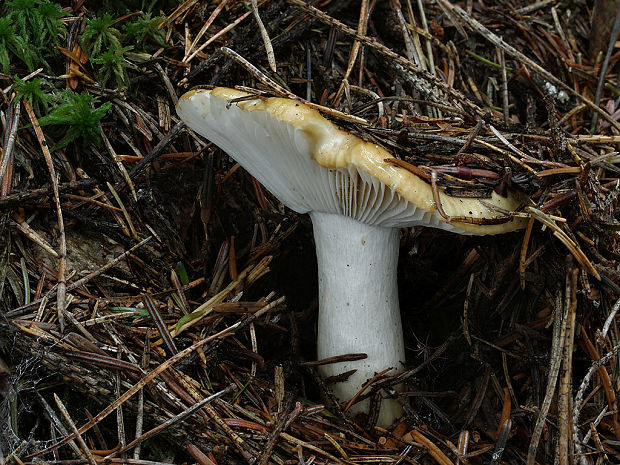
310, 164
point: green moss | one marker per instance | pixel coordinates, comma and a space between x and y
79, 117
100, 34
145, 32
32, 91
36, 26
13, 45
113, 66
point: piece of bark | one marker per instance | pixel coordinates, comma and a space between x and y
603, 16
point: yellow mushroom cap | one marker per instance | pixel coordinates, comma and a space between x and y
310, 164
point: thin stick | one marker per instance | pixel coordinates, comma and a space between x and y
523, 255
119, 165
601, 78
431, 448
429, 48
579, 397
31, 234
355, 49
557, 344
78, 436
10, 139
134, 234
565, 445
282, 426
413, 48
610, 318
146, 357
61, 294
505, 101
581, 257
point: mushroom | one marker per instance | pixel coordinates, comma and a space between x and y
357, 202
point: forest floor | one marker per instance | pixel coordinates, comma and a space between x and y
160, 305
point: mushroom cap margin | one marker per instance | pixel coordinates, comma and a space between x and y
335, 149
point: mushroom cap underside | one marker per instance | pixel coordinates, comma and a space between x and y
310, 164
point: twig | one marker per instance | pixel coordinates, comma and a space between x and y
78, 437
505, 102
9, 139
306, 445
413, 49
283, 426
22, 197
120, 418
608, 321
119, 164
62, 259
565, 445
153, 154
567, 241
362, 26
26, 229
117, 197
204, 28
56, 422
215, 37
429, 48
432, 449
149, 304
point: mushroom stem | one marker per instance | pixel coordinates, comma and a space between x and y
358, 304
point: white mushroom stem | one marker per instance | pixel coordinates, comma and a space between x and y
358, 303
